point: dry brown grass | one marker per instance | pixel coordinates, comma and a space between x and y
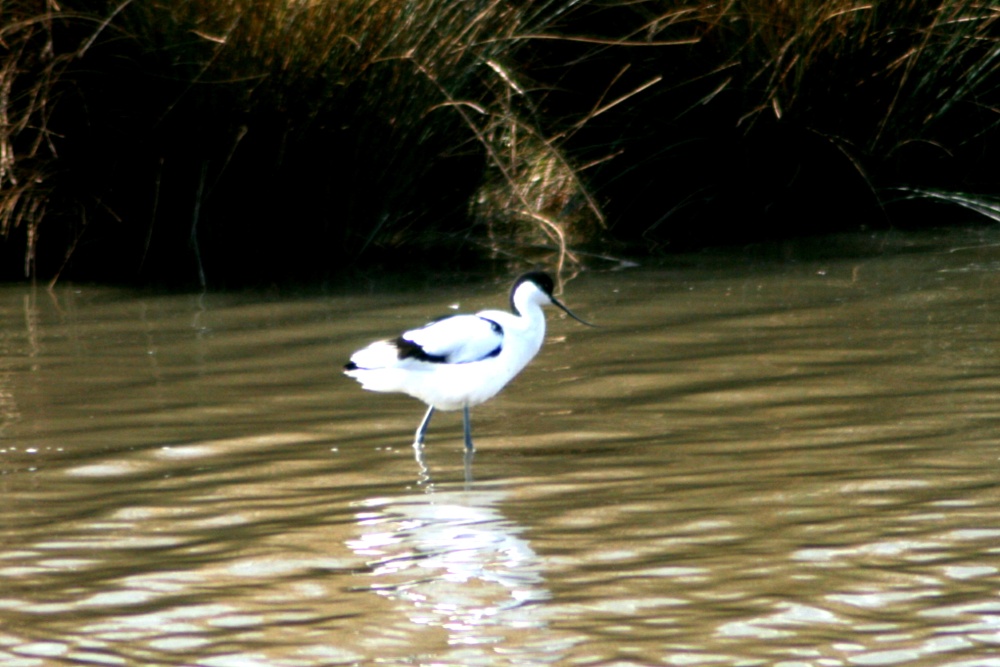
206, 139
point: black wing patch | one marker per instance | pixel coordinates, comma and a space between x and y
459, 339
407, 349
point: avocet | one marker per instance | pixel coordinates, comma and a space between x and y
460, 361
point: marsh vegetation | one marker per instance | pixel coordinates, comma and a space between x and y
227, 141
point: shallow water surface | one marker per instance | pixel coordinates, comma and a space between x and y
774, 462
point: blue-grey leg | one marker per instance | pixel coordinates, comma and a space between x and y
468, 431
422, 429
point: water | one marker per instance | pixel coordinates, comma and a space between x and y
772, 461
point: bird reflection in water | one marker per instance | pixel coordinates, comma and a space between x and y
450, 560
424, 472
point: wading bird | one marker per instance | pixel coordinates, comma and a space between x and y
457, 362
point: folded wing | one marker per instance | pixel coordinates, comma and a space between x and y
458, 339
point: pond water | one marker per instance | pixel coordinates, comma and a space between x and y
786, 460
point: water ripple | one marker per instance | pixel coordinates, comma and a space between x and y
784, 464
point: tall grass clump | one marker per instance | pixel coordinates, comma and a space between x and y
28, 68
226, 141
233, 140
747, 118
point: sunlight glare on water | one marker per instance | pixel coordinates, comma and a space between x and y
787, 460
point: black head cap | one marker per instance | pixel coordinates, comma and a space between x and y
540, 278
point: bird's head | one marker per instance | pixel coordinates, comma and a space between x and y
537, 287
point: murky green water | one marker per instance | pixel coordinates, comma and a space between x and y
788, 462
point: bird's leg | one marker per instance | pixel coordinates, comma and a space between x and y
422, 429
468, 431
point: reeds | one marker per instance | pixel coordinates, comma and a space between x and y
229, 139
783, 117
225, 141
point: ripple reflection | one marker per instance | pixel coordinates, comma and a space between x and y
448, 559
